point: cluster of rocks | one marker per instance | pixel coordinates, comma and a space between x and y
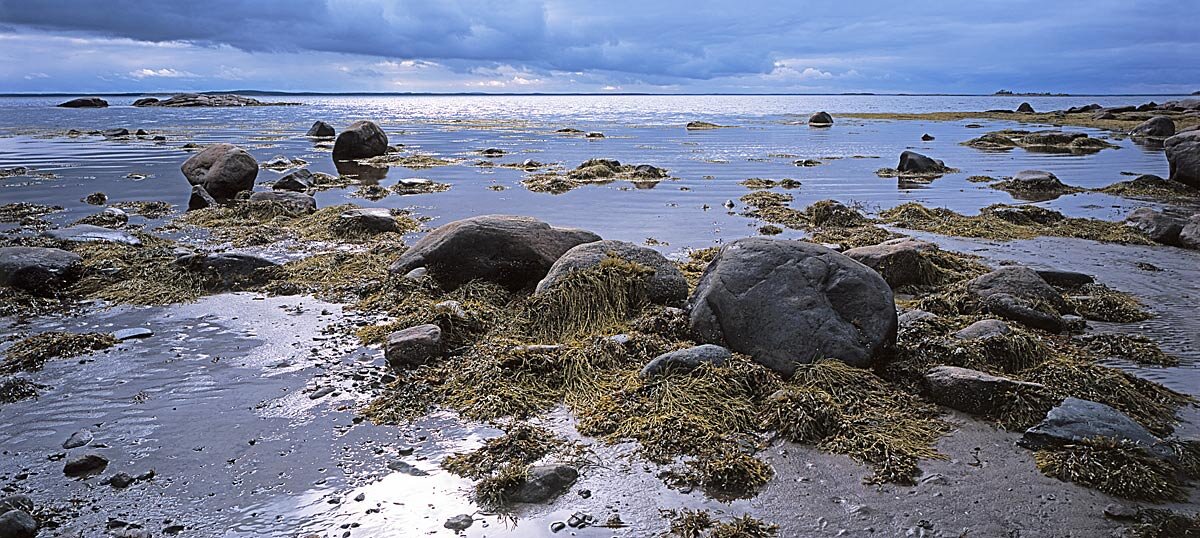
204, 100
1167, 228
1182, 106
1046, 141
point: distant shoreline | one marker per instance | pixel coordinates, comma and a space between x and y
578, 94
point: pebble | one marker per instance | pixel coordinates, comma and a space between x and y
78, 439
120, 480
460, 522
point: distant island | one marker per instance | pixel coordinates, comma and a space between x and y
1031, 94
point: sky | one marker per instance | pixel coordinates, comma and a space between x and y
548, 46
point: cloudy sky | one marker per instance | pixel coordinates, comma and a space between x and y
668, 46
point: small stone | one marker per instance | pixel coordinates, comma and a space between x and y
78, 439
1121, 511
459, 523
85, 464
120, 480
413, 346
557, 526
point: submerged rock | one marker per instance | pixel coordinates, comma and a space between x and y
900, 261
970, 391
360, 140
298, 181
88, 233
1159, 227
1020, 295
38, 270
413, 346
543, 482
792, 302
1156, 127
687, 359
666, 286
1183, 156
1074, 421
700, 126
321, 129
85, 102
820, 119
513, 251
297, 202
222, 169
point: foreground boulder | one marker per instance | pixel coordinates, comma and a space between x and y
912, 162
792, 302
1020, 295
296, 202
971, 391
1074, 421
38, 270
321, 129
1189, 236
1183, 156
513, 251
222, 169
360, 140
17, 523
413, 346
1156, 127
687, 359
542, 483
900, 261
85, 102
233, 270
1159, 227
820, 119
666, 286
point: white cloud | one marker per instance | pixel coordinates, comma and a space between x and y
160, 73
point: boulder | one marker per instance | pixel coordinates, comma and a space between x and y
983, 329
234, 270
85, 102
200, 199
1025, 108
360, 140
1020, 295
1074, 421
787, 302
85, 464
970, 391
1159, 227
1156, 127
80, 438
820, 118
88, 233
222, 169
375, 219
900, 261
145, 101
1189, 236
1035, 180
16, 502
542, 483
321, 129
38, 270
1064, 279
926, 137
513, 251
686, 360
912, 317
666, 286
296, 202
115, 133
413, 346
912, 162
17, 524
1183, 156
299, 181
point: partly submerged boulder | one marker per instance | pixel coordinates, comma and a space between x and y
298, 181
222, 169
321, 129
792, 302
360, 140
820, 119
38, 270
373, 219
513, 251
1158, 226
912, 162
1025, 108
1156, 127
1183, 156
85, 102
666, 286
1075, 421
1020, 295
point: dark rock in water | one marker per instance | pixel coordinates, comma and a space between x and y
648, 171
912, 162
694, 126
820, 118
982, 329
296, 202
1159, 227
970, 391
927, 137
515, 252
299, 181
1035, 180
87, 233
1025, 108
360, 140
17, 524
222, 169
1074, 421
85, 464
200, 199
666, 286
375, 219
38, 270
78, 439
132, 333
1019, 294
119, 480
900, 261
1189, 236
1065, 279
114, 133
413, 346
492, 152
187, 100
1156, 127
1183, 156
1051, 138
235, 270
321, 129
786, 302
544, 482
85, 102
145, 101
1084, 108
687, 359
460, 522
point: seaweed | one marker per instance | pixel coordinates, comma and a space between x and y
25, 211
729, 472
687, 523
1119, 468
141, 275
588, 300
1157, 523
1005, 222
1131, 347
521, 444
33, 352
264, 221
1098, 302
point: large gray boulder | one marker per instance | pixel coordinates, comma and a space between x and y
1074, 421
1189, 236
688, 359
222, 169
1183, 156
1159, 227
1156, 127
513, 251
971, 391
17, 524
792, 302
820, 119
413, 346
38, 270
900, 261
85, 102
666, 286
360, 140
1020, 295
912, 162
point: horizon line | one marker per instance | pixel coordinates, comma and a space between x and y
555, 94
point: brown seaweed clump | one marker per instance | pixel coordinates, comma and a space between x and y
1118, 468
1040, 141
263, 222
25, 212
686, 523
1131, 347
413, 161
1158, 523
1151, 187
1006, 222
33, 352
594, 171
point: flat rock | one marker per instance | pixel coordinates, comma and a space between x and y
38, 270
1019, 294
413, 346
1066, 279
1159, 227
87, 233
687, 359
298, 181
85, 464
912, 317
544, 482
234, 270
1074, 421
970, 391
984, 328
132, 333
665, 287
375, 219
